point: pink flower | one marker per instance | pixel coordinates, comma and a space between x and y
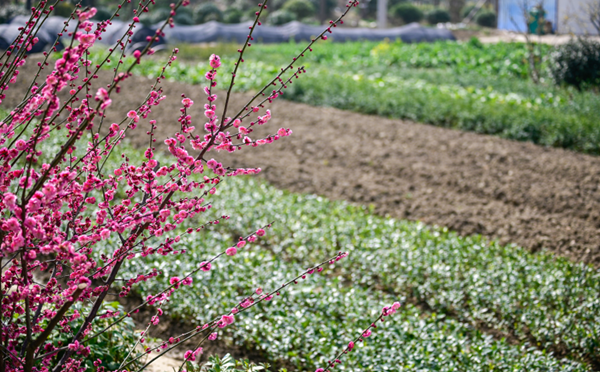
51, 80
228, 319
215, 61
212, 164
231, 251
213, 336
187, 103
21, 145
189, 356
12, 224
319, 370
260, 232
241, 244
174, 280
84, 16
246, 303
133, 115
187, 281
104, 234
102, 95
367, 333
205, 266
10, 200
87, 40
282, 132
83, 283
350, 345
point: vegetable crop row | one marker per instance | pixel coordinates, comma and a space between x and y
365, 78
453, 287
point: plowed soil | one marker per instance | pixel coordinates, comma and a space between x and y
475, 184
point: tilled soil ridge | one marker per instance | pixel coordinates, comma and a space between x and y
475, 184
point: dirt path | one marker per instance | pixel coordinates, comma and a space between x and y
492, 36
516, 192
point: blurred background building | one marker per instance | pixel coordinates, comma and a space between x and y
560, 16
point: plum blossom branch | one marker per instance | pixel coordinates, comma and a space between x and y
262, 6
51, 212
339, 20
203, 266
367, 332
247, 303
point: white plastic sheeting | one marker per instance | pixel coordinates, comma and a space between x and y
215, 31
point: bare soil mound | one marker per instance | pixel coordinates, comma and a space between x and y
475, 184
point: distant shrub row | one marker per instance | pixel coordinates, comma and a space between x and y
407, 13
280, 12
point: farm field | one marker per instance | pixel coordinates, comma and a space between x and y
469, 303
513, 191
469, 86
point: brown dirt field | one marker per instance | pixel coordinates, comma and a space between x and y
475, 184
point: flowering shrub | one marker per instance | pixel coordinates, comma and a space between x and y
68, 223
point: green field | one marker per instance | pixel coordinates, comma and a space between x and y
468, 304
468, 86
454, 289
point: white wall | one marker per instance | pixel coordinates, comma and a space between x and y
573, 17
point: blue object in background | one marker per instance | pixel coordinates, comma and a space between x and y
511, 17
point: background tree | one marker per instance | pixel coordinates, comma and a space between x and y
593, 11
455, 7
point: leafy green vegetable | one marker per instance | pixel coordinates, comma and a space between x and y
468, 86
462, 285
